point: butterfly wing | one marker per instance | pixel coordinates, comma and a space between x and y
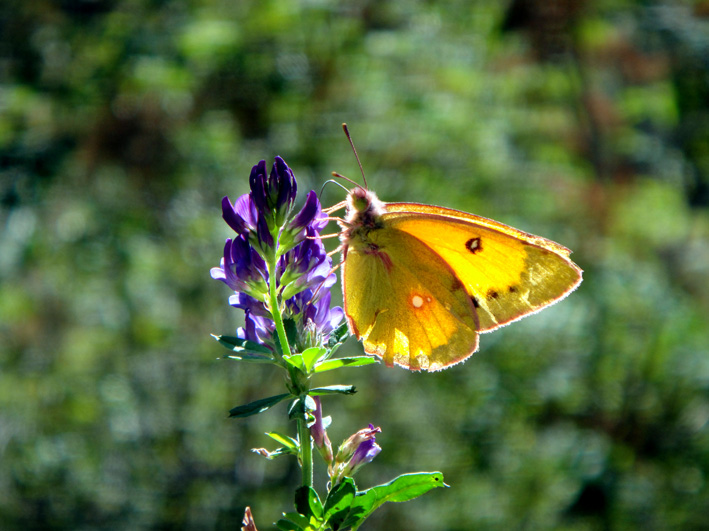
406, 303
507, 273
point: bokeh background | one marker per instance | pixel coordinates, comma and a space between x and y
124, 122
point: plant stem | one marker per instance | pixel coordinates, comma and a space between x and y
306, 447
306, 453
275, 307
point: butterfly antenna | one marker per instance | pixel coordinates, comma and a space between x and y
361, 170
333, 181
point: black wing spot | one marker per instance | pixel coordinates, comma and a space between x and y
512, 289
473, 245
492, 294
475, 302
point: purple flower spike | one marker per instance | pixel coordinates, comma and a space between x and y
303, 273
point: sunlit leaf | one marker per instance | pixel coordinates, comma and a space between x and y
354, 361
403, 488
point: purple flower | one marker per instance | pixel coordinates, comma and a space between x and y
319, 435
323, 318
364, 454
305, 266
273, 196
242, 215
257, 329
247, 303
242, 268
303, 273
310, 218
360, 449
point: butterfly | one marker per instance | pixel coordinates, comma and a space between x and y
421, 282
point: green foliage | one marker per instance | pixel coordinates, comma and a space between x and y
122, 124
346, 508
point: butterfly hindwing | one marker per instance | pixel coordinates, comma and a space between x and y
406, 304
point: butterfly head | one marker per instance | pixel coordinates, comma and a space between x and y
364, 213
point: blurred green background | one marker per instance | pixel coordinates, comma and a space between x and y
124, 122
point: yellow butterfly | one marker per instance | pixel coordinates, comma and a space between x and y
420, 282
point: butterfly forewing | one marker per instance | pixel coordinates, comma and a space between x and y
507, 273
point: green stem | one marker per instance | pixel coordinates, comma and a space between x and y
275, 308
306, 453
306, 448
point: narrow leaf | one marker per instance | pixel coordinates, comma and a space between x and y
333, 390
258, 406
285, 440
250, 357
355, 361
242, 345
278, 452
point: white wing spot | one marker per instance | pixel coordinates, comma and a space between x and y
417, 301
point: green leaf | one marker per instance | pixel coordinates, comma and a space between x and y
403, 488
338, 502
259, 406
303, 522
311, 356
307, 502
333, 390
354, 361
285, 440
285, 524
296, 360
244, 347
252, 358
